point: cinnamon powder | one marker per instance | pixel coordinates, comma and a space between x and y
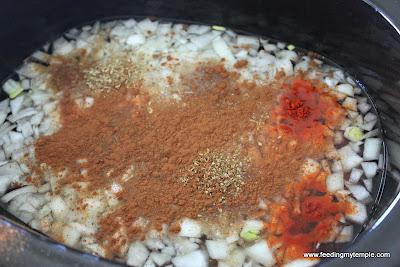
146, 152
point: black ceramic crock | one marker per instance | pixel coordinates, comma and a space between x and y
360, 36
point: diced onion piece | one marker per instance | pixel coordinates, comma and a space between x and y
59, 208
4, 109
368, 126
372, 133
235, 258
70, 236
349, 158
261, 253
136, 40
184, 246
287, 55
364, 107
301, 66
355, 175
335, 182
353, 133
350, 103
251, 230
336, 166
16, 104
154, 243
285, 65
147, 26
248, 41
370, 120
346, 235
359, 192
358, 214
302, 263
345, 89
370, 117
22, 114
196, 258
372, 148
217, 249
20, 191
137, 254
11, 168
198, 29
331, 82
201, 41
222, 49
190, 228
149, 263
356, 146
160, 258
370, 169
83, 229
12, 88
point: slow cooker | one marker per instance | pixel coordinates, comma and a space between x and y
363, 37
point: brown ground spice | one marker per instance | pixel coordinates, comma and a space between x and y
159, 140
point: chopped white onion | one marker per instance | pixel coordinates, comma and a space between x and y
372, 148
345, 89
147, 26
58, 207
359, 192
70, 236
190, 228
364, 107
22, 114
372, 133
335, 182
350, 103
222, 49
355, 175
16, 104
284, 65
370, 169
359, 213
20, 191
136, 40
217, 249
194, 259
349, 158
248, 41
261, 253
160, 258
137, 254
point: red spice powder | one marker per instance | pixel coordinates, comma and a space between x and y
306, 217
308, 113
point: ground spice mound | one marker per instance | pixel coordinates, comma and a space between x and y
213, 172
306, 218
308, 113
174, 159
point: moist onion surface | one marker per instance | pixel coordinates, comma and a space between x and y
161, 144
